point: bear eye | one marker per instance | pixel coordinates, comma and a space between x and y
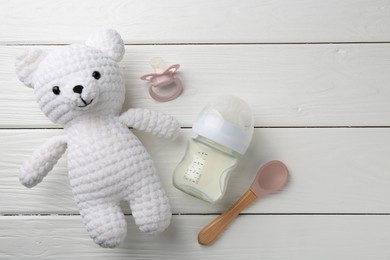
96, 74
56, 90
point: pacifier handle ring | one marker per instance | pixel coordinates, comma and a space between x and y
178, 89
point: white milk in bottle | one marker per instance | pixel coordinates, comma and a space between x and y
224, 131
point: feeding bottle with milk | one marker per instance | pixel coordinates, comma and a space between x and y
224, 131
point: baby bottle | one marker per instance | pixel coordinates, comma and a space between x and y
224, 131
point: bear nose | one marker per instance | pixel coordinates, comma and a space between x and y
78, 89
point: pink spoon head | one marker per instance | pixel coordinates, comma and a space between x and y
271, 177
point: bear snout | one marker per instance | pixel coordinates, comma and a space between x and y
86, 95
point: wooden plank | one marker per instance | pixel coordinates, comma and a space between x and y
336, 170
249, 237
286, 85
197, 21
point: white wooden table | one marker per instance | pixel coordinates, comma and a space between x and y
317, 74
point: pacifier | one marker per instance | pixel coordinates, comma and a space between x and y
163, 78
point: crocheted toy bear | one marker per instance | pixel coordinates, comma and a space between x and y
80, 87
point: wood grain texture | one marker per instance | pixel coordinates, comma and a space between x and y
298, 63
286, 85
336, 170
250, 237
197, 21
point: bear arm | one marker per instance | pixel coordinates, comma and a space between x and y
150, 121
42, 161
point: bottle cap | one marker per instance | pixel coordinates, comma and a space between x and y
228, 121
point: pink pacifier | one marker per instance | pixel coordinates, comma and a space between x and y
163, 78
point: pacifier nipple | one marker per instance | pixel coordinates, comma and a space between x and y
158, 65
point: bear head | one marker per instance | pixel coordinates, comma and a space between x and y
76, 81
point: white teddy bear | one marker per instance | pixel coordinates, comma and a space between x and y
80, 87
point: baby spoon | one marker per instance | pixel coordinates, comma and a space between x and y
271, 177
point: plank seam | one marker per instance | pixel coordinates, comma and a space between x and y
205, 43
189, 127
213, 214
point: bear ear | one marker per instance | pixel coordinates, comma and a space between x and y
109, 42
26, 64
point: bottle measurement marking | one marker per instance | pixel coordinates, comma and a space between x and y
194, 170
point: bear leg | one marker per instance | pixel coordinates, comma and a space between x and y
105, 224
149, 204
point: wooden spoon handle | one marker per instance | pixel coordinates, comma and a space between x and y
211, 231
